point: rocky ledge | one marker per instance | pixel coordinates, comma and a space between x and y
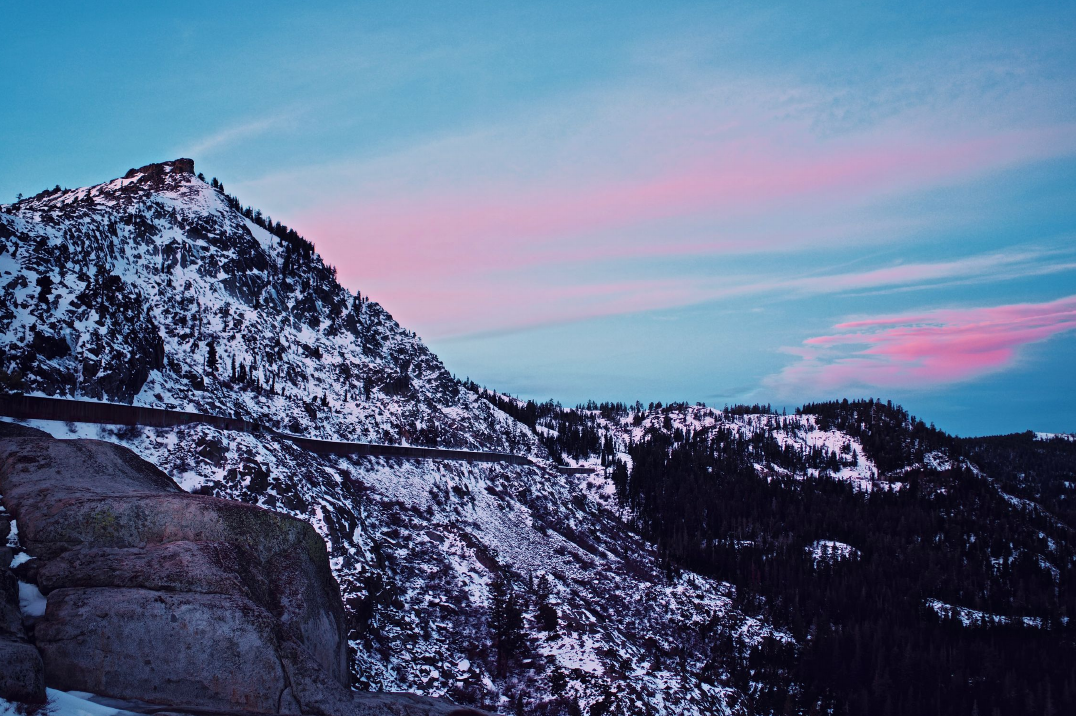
158, 597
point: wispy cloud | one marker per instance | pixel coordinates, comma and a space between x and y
998, 266
228, 136
514, 303
922, 350
485, 228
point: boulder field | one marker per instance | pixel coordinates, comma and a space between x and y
181, 602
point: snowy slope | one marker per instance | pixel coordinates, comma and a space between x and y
147, 272
800, 432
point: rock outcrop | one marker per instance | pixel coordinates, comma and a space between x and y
183, 601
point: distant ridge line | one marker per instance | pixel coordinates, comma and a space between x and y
34, 407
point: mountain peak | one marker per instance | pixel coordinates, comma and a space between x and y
137, 183
145, 277
178, 166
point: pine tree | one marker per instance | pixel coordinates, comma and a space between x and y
546, 612
505, 622
211, 359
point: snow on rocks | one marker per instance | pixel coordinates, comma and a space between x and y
831, 551
1056, 436
131, 298
975, 618
801, 433
31, 601
65, 703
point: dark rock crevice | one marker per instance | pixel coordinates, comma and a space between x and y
22, 673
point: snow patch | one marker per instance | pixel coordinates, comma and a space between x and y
1056, 436
975, 618
65, 703
31, 601
828, 550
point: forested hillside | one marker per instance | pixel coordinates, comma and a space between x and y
944, 582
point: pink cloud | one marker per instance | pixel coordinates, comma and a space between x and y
438, 249
522, 300
488, 226
578, 208
512, 305
924, 349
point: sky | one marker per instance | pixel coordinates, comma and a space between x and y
720, 202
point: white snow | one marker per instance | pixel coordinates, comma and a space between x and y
800, 432
61, 703
31, 601
20, 558
973, 617
1055, 436
828, 550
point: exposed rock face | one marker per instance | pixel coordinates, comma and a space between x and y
180, 649
22, 675
21, 672
160, 596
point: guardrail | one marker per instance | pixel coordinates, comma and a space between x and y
563, 470
333, 447
33, 407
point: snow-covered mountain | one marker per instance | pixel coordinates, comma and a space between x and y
154, 289
159, 290
839, 456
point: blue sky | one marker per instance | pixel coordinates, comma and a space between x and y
727, 202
